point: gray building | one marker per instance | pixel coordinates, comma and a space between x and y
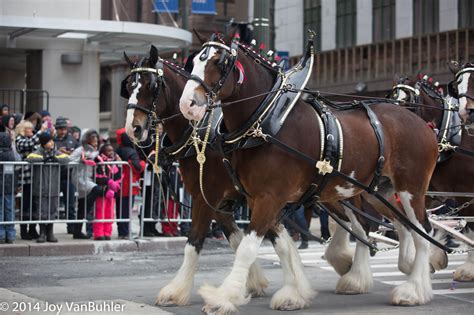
364, 43
51, 54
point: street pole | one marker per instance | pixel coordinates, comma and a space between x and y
184, 12
261, 22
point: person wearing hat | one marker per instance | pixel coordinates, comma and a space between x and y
65, 143
4, 110
46, 172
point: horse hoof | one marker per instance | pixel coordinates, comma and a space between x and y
288, 298
438, 259
171, 298
409, 294
464, 273
218, 309
354, 283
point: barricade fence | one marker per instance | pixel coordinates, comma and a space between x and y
33, 193
166, 202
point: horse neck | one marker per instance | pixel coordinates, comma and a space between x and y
258, 80
433, 113
176, 126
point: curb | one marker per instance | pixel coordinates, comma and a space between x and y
92, 247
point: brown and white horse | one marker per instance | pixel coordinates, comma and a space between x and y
455, 173
273, 177
149, 87
463, 89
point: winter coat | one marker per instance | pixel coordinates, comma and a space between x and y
127, 153
24, 146
83, 174
70, 144
46, 176
8, 176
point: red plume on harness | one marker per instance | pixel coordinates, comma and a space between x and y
239, 66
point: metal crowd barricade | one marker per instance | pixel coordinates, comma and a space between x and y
28, 194
171, 204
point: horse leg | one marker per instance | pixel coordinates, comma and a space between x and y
256, 281
359, 278
438, 257
178, 291
296, 292
406, 253
465, 272
417, 290
338, 253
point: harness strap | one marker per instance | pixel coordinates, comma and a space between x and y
366, 215
301, 230
377, 126
403, 219
349, 230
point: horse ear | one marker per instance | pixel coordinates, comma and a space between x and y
200, 36
127, 59
453, 65
396, 77
153, 56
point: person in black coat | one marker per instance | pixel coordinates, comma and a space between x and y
9, 183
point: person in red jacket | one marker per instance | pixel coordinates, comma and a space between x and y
127, 153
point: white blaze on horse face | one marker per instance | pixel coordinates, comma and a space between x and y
192, 102
131, 112
463, 87
402, 96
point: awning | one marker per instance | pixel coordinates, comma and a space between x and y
110, 38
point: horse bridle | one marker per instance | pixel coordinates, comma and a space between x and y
157, 82
468, 69
226, 63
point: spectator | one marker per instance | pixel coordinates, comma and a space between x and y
35, 119
109, 177
45, 116
26, 142
45, 184
9, 123
127, 152
8, 182
18, 118
76, 133
83, 175
5, 110
66, 144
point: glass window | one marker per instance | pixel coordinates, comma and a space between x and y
425, 16
466, 13
312, 21
383, 24
346, 23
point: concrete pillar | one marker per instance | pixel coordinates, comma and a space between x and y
73, 88
364, 22
289, 27
328, 24
403, 18
119, 104
448, 15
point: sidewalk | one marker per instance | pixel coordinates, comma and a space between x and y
66, 245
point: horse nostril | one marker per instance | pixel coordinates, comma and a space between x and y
137, 131
193, 102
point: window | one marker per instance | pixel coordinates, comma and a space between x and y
345, 23
383, 25
466, 13
425, 16
312, 21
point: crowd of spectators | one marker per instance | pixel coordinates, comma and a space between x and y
92, 189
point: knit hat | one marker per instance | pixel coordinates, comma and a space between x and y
44, 113
61, 122
44, 138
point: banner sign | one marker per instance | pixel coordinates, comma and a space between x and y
171, 6
203, 7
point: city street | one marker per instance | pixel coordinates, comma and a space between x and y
135, 278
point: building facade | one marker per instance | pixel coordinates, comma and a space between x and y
51, 54
363, 44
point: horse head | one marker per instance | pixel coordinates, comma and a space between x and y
211, 78
421, 94
142, 88
463, 88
